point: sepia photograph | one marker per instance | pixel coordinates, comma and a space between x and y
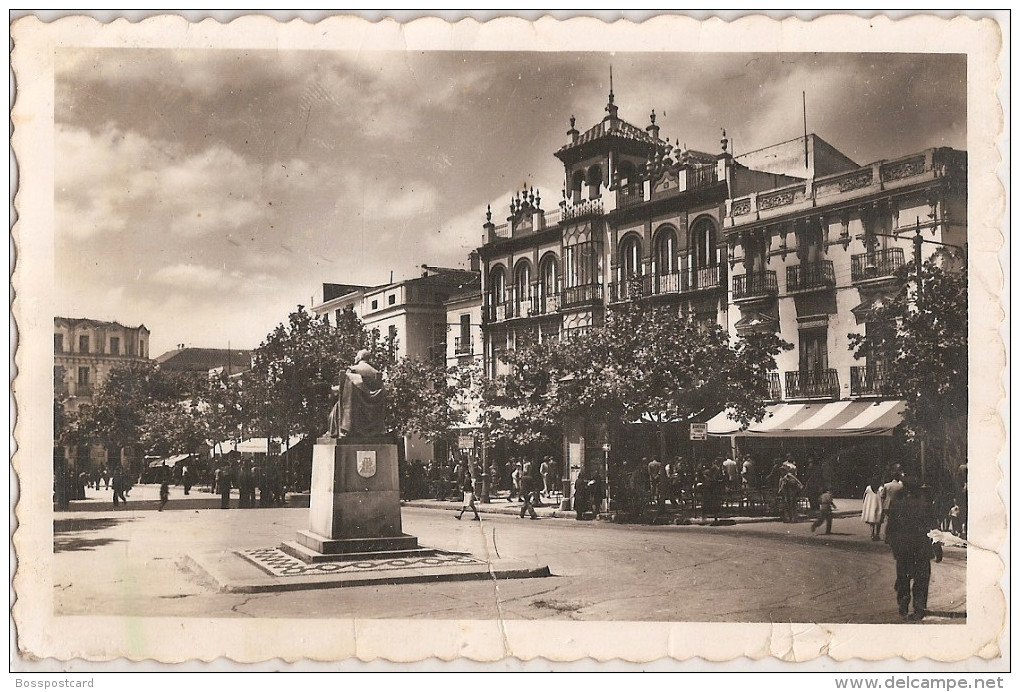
339, 311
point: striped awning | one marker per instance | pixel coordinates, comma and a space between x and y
834, 419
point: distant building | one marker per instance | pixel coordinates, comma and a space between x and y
84, 353
205, 360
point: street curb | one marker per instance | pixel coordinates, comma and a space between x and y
230, 573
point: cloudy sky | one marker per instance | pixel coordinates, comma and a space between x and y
207, 193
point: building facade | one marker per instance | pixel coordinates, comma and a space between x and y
795, 238
412, 312
84, 353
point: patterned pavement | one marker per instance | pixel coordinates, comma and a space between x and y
280, 564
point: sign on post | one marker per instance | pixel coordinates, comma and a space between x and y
699, 431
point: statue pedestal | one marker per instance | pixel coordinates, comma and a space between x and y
354, 504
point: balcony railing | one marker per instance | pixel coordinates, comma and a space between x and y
757, 285
870, 380
84, 390
581, 295
812, 384
549, 304
875, 265
810, 276
588, 207
631, 289
463, 345
775, 388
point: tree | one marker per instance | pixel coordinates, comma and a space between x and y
173, 427
288, 390
116, 413
422, 398
925, 353
646, 363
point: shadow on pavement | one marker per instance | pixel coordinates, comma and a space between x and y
65, 538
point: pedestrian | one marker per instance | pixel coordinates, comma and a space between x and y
871, 513
544, 471
655, 478
748, 479
186, 479
223, 486
910, 519
119, 486
891, 491
582, 499
731, 470
529, 487
469, 499
106, 478
534, 470
515, 482
789, 489
550, 476
164, 492
597, 493
825, 507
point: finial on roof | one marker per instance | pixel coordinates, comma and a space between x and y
538, 199
572, 121
611, 108
724, 142
652, 116
488, 213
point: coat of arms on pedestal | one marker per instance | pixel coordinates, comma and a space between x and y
366, 464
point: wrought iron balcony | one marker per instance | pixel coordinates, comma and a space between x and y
775, 388
463, 345
585, 294
631, 289
757, 285
870, 380
810, 276
812, 384
880, 264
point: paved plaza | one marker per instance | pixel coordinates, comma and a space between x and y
136, 562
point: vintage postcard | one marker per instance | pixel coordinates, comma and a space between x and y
666, 339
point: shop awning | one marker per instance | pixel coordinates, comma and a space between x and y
257, 445
169, 461
835, 419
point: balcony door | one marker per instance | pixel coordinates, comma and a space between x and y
666, 261
548, 277
814, 351
702, 245
522, 287
810, 244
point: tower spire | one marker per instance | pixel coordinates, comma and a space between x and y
611, 108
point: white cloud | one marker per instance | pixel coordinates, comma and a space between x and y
110, 182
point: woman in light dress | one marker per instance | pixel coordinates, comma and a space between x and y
871, 514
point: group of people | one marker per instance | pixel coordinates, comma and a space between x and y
905, 507
247, 477
72, 483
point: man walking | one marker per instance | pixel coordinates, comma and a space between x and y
119, 486
911, 517
529, 486
825, 507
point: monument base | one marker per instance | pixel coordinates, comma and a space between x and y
354, 504
311, 547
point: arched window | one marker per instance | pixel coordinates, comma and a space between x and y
522, 287
575, 187
627, 179
630, 258
666, 261
702, 245
548, 273
497, 286
594, 180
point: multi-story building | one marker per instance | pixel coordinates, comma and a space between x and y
84, 353
794, 238
412, 312
810, 258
